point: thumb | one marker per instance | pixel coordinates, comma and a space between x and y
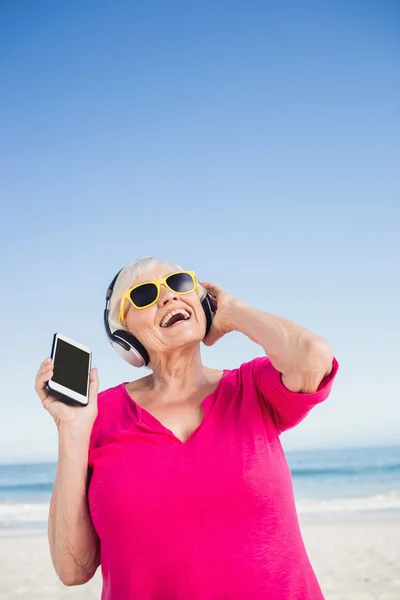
93, 385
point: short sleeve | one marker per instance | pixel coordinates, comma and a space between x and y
288, 408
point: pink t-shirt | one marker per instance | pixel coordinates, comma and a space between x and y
213, 518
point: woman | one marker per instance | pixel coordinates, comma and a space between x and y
190, 495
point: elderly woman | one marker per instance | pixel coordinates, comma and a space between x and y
177, 484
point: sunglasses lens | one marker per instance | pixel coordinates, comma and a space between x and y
144, 294
181, 282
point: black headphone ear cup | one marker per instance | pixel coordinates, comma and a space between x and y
129, 348
209, 308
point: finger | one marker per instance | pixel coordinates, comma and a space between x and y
44, 395
45, 367
49, 400
43, 376
40, 384
94, 375
46, 364
213, 288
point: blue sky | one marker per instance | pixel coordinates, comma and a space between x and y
254, 142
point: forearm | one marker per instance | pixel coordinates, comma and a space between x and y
73, 541
302, 357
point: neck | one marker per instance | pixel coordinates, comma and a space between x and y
183, 371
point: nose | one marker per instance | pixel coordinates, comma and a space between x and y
166, 294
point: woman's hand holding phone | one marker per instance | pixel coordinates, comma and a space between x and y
76, 417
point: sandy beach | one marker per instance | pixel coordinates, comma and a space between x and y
355, 558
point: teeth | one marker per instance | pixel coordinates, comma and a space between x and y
181, 311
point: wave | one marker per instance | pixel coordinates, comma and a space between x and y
342, 471
27, 487
388, 501
13, 514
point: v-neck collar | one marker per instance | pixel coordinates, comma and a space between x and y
144, 415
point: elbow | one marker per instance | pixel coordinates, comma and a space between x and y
318, 355
74, 574
315, 365
73, 569
70, 578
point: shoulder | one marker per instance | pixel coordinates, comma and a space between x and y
114, 398
250, 368
106, 402
138, 385
240, 387
252, 376
245, 376
121, 388
110, 399
109, 402
109, 394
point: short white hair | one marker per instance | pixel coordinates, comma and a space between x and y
126, 279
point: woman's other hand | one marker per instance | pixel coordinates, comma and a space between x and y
222, 322
79, 417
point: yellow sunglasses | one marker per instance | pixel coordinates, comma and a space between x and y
147, 293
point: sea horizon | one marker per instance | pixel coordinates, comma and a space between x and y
46, 460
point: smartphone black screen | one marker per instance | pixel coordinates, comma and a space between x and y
71, 367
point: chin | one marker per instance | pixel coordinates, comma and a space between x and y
189, 338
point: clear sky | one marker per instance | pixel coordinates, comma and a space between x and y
256, 143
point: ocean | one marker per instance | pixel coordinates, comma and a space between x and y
325, 482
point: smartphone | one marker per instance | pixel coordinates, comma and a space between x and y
72, 363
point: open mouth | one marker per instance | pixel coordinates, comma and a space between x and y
178, 316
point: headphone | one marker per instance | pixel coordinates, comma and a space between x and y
128, 346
